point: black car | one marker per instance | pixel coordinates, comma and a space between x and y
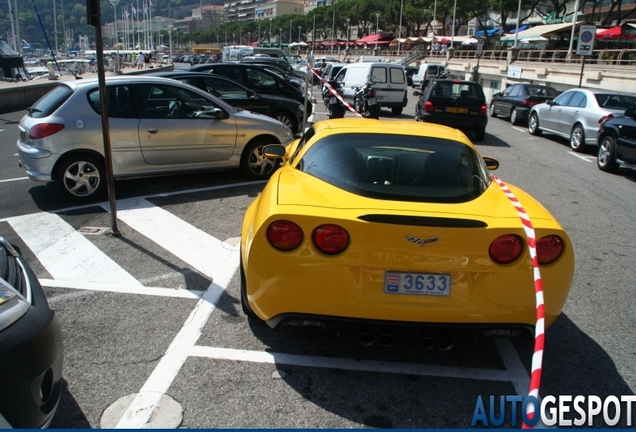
282, 64
516, 100
410, 71
30, 346
287, 111
616, 138
455, 103
258, 79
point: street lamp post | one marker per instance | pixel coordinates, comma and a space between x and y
377, 23
170, 41
280, 38
233, 41
299, 38
114, 3
347, 47
400, 30
249, 38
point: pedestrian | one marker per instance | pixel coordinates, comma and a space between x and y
147, 61
140, 61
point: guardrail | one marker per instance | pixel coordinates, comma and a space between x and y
621, 57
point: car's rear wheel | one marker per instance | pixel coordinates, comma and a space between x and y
492, 110
533, 125
577, 139
287, 119
80, 176
254, 163
513, 117
480, 134
606, 157
396, 110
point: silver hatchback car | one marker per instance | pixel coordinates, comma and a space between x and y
157, 126
577, 114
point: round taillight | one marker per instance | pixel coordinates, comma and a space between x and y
284, 235
330, 239
506, 249
43, 130
549, 249
428, 106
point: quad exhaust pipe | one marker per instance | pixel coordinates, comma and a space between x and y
425, 341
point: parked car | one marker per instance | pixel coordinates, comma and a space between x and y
516, 100
410, 71
427, 72
577, 113
404, 225
287, 111
616, 140
455, 103
283, 64
157, 126
258, 79
31, 351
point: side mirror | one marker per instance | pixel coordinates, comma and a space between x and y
550, 102
491, 163
417, 93
630, 112
274, 151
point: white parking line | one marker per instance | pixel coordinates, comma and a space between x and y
520, 129
123, 289
192, 245
353, 364
14, 179
66, 254
583, 157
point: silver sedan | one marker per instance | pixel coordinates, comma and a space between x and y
577, 113
157, 126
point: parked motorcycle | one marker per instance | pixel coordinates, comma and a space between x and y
334, 107
365, 101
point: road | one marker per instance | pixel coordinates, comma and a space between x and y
157, 310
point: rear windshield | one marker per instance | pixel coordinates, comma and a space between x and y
50, 102
402, 168
616, 101
541, 91
453, 90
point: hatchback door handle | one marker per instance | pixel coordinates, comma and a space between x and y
153, 130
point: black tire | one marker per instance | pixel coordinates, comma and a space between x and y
247, 310
396, 110
492, 110
577, 139
514, 119
287, 119
533, 125
372, 111
606, 157
80, 176
480, 134
254, 164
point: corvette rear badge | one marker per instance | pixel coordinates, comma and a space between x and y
420, 241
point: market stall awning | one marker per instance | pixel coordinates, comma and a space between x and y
379, 38
542, 30
615, 33
490, 32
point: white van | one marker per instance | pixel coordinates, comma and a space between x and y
428, 71
389, 83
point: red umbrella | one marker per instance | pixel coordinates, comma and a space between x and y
444, 40
614, 33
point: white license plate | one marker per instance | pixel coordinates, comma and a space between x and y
333, 100
380, 97
372, 101
417, 283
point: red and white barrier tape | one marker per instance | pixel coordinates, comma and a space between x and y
539, 330
336, 94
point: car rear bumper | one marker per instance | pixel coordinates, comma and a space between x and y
37, 163
463, 122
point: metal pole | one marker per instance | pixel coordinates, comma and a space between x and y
347, 47
518, 19
280, 38
574, 18
434, 25
377, 23
110, 181
17, 27
54, 27
63, 29
453, 29
333, 29
582, 66
12, 25
400, 30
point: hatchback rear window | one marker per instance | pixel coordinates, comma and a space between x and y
402, 168
50, 102
453, 90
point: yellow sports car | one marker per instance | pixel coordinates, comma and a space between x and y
396, 222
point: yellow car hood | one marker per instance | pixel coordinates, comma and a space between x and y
296, 188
